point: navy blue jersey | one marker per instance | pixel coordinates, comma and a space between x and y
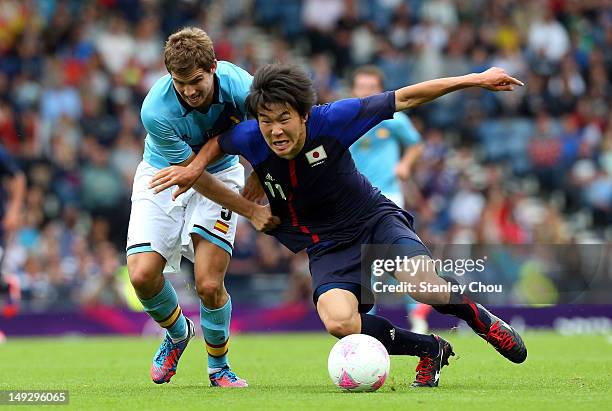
319, 195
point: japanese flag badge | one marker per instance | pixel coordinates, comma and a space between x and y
316, 156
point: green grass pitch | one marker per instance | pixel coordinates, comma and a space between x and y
289, 372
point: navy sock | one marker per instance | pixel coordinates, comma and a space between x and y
398, 341
462, 306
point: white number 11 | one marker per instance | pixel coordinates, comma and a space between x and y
278, 188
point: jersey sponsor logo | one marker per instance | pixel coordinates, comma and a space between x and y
221, 226
383, 133
269, 177
316, 156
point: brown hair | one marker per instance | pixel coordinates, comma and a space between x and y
370, 70
187, 49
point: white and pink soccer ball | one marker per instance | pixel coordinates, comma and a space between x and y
358, 362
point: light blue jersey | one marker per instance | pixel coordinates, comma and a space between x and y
379, 150
174, 129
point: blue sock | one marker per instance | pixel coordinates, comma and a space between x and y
165, 309
216, 329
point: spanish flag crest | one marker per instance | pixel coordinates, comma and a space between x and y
221, 226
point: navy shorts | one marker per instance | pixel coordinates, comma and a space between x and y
340, 264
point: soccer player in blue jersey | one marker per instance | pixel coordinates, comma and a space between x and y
300, 156
378, 156
199, 98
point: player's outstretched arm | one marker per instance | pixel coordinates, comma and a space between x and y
494, 79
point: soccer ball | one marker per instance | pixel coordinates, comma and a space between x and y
358, 362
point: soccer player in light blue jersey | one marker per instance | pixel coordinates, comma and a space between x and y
378, 153
378, 156
199, 99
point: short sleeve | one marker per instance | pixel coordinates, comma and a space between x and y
165, 139
349, 119
404, 130
246, 140
230, 141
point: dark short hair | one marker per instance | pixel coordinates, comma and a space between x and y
281, 84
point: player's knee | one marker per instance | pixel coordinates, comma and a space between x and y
209, 290
341, 327
144, 277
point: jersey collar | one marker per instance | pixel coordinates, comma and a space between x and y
186, 108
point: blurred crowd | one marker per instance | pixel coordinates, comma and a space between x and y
534, 165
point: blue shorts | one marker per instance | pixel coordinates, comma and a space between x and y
339, 264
